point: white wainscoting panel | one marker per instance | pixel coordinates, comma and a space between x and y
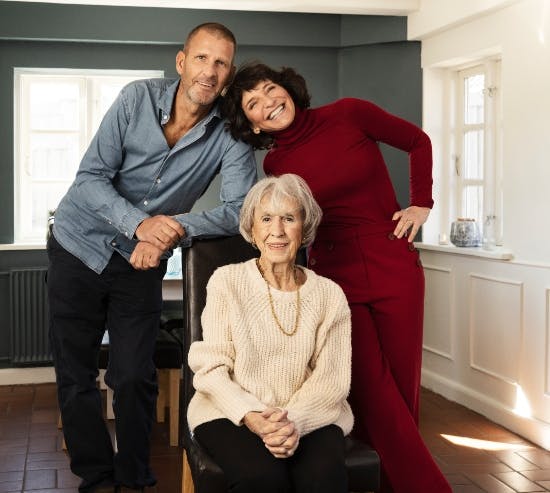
438, 304
547, 345
496, 326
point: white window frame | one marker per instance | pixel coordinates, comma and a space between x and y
491, 182
90, 115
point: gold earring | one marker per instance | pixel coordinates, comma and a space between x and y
256, 130
224, 91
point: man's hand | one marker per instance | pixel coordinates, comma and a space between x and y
162, 232
145, 256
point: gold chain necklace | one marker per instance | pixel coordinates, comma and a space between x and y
297, 321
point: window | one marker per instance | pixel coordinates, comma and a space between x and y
57, 112
477, 143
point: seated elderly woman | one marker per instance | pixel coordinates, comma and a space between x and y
273, 372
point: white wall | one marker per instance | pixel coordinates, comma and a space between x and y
521, 34
487, 330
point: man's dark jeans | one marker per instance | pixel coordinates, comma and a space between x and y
82, 305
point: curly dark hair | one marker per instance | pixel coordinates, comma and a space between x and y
246, 78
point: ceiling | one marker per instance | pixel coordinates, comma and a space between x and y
363, 7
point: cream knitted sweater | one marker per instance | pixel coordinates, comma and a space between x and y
245, 363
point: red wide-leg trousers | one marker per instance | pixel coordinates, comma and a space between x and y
384, 282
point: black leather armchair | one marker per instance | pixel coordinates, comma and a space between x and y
200, 473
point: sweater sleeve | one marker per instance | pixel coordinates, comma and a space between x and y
381, 126
213, 358
320, 400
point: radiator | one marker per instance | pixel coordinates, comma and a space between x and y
29, 318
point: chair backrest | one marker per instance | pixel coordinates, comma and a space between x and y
198, 263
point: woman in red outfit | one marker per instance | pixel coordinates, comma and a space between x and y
364, 243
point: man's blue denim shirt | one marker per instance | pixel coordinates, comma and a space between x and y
130, 173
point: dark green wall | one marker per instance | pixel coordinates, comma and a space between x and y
362, 56
391, 77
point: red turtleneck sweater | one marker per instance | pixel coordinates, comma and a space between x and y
335, 149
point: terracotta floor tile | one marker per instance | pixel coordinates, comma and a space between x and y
30, 448
11, 476
494, 468
52, 490
467, 488
66, 479
515, 461
469, 457
518, 482
537, 475
457, 478
45, 478
14, 446
11, 487
43, 444
44, 416
539, 457
47, 460
44, 429
14, 462
490, 484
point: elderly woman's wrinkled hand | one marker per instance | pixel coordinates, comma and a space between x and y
409, 221
269, 421
283, 442
287, 448
278, 433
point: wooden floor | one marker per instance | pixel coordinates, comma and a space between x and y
475, 454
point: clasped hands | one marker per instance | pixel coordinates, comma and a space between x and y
156, 235
278, 433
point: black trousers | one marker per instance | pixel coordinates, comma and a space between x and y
82, 305
317, 466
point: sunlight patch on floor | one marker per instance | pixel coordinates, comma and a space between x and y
484, 444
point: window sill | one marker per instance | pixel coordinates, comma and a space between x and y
499, 253
22, 246
170, 276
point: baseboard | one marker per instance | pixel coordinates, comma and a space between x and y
25, 376
530, 428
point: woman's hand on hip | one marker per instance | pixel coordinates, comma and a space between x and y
409, 221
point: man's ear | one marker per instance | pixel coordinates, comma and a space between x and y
229, 81
180, 59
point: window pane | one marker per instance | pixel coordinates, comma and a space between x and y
53, 156
54, 105
473, 99
45, 197
108, 91
473, 155
59, 111
472, 203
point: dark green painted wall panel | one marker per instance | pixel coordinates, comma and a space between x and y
362, 56
46, 21
388, 74
370, 29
